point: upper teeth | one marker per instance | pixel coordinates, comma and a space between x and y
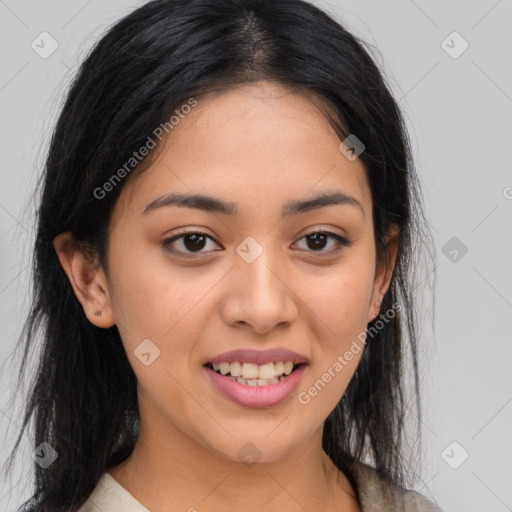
255, 371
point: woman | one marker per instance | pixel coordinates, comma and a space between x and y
223, 270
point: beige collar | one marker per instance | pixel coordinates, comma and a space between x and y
373, 493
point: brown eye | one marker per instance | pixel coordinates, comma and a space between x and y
188, 243
319, 240
194, 242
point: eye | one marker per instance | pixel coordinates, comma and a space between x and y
318, 240
188, 243
193, 242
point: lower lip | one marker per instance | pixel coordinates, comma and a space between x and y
256, 396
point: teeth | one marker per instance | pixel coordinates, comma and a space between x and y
254, 374
266, 382
249, 371
288, 367
224, 368
266, 371
257, 382
235, 369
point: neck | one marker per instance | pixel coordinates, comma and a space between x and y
168, 470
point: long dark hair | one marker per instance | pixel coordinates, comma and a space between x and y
83, 400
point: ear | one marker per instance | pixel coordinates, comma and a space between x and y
87, 279
384, 271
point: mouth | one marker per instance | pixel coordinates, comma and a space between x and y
251, 374
253, 385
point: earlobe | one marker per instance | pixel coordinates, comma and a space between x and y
87, 279
375, 308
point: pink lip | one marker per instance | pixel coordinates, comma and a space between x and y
257, 397
259, 356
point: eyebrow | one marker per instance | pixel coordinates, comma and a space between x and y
212, 204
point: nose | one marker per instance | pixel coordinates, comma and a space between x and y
260, 295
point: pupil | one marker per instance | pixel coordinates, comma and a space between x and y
315, 238
197, 242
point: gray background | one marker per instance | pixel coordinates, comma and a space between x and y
459, 115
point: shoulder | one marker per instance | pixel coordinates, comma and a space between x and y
377, 495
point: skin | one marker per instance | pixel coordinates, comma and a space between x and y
259, 146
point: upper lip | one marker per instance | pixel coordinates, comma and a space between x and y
258, 356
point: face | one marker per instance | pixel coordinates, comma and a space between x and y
240, 276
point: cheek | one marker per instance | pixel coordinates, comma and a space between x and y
340, 305
342, 301
150, 299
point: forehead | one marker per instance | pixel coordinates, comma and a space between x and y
255, 143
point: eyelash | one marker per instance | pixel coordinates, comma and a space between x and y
341, 242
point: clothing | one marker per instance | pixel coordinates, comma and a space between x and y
375, 496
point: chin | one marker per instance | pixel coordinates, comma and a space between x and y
259, 448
